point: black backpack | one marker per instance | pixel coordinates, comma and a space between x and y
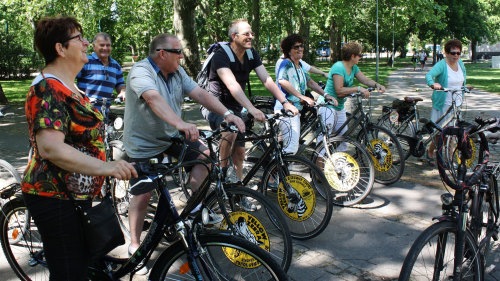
202, 77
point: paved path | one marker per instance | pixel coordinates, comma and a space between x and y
368, 242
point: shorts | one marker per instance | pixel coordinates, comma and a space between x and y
214, 120
173, 150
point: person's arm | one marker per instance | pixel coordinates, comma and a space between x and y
317, 71
227, 77
285, 84
51, 146
369, 82
161, 108
268, 82
121, 92
315, 87
430, 77
214, 105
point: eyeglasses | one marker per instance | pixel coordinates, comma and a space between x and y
247, 34
455, 53
175, 51
296, 47
79, 36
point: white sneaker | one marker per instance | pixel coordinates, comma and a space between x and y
144, 269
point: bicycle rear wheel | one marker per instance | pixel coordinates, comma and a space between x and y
9, 177
432, 255
263, 224
220, 257
309, 216
386, 153
21, 242
349, 169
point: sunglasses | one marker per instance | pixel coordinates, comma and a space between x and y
247, 34
296, 47
455, 53
79, 36
176, 51
360, 55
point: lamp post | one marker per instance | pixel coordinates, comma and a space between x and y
393, 53
377, 55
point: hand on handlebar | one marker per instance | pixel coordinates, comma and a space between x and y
190, 130
120, 169
231, 118
380, 88
290, 107
365, 92
331, 99
436, 86
257, 114
308, 100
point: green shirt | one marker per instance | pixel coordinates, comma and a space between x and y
339, 68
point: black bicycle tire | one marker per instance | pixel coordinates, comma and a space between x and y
424, 239
8, 209
351, 198
319, 181
405, 146
397, 148
275, 217
177, 249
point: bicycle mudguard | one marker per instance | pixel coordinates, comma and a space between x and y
445, 218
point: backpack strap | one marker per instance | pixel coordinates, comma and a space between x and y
249, 54
228, 51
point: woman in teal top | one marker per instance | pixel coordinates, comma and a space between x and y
339, 84
448, 73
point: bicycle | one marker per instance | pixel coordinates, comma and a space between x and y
196, 254
381, 143
346, 163
453, 247
263, 225
402, 120
294, 183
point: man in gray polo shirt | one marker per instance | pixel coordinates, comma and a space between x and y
155, 91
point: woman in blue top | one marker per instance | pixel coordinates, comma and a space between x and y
293, 81
339, 84
448, 73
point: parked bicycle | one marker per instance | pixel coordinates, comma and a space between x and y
454, 247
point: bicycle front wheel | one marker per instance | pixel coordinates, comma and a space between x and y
312, 211
21, 242
260, 221
386, 153
219, 257
432, 256
348, 168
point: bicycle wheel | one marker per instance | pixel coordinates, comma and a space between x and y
349, 170
401, 129
262, 224
432, 255
220, 257
386, 153
9, 177
21, 242
309, 216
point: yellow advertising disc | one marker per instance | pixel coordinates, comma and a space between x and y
342, 171
251, 229
470, 161
381, 155
304, 208
394, 116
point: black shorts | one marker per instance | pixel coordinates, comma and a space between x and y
173, 150
214, 120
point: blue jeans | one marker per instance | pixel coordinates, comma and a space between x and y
62, 235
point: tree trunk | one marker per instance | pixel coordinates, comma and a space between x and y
473, 45
3, 98
304, 28
185, 30
255, 23
335, 41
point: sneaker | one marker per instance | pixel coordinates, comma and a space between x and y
144, 269
246, 205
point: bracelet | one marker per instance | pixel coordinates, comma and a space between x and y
284, 102
227, 113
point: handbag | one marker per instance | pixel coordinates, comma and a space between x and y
101, 228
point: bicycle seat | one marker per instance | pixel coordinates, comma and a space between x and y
411, 99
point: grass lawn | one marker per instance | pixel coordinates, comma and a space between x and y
481, 75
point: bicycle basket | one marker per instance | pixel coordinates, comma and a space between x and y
402, 107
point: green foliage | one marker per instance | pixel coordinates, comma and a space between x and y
15, 61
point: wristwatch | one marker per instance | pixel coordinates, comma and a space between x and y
228, 112
284, 102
